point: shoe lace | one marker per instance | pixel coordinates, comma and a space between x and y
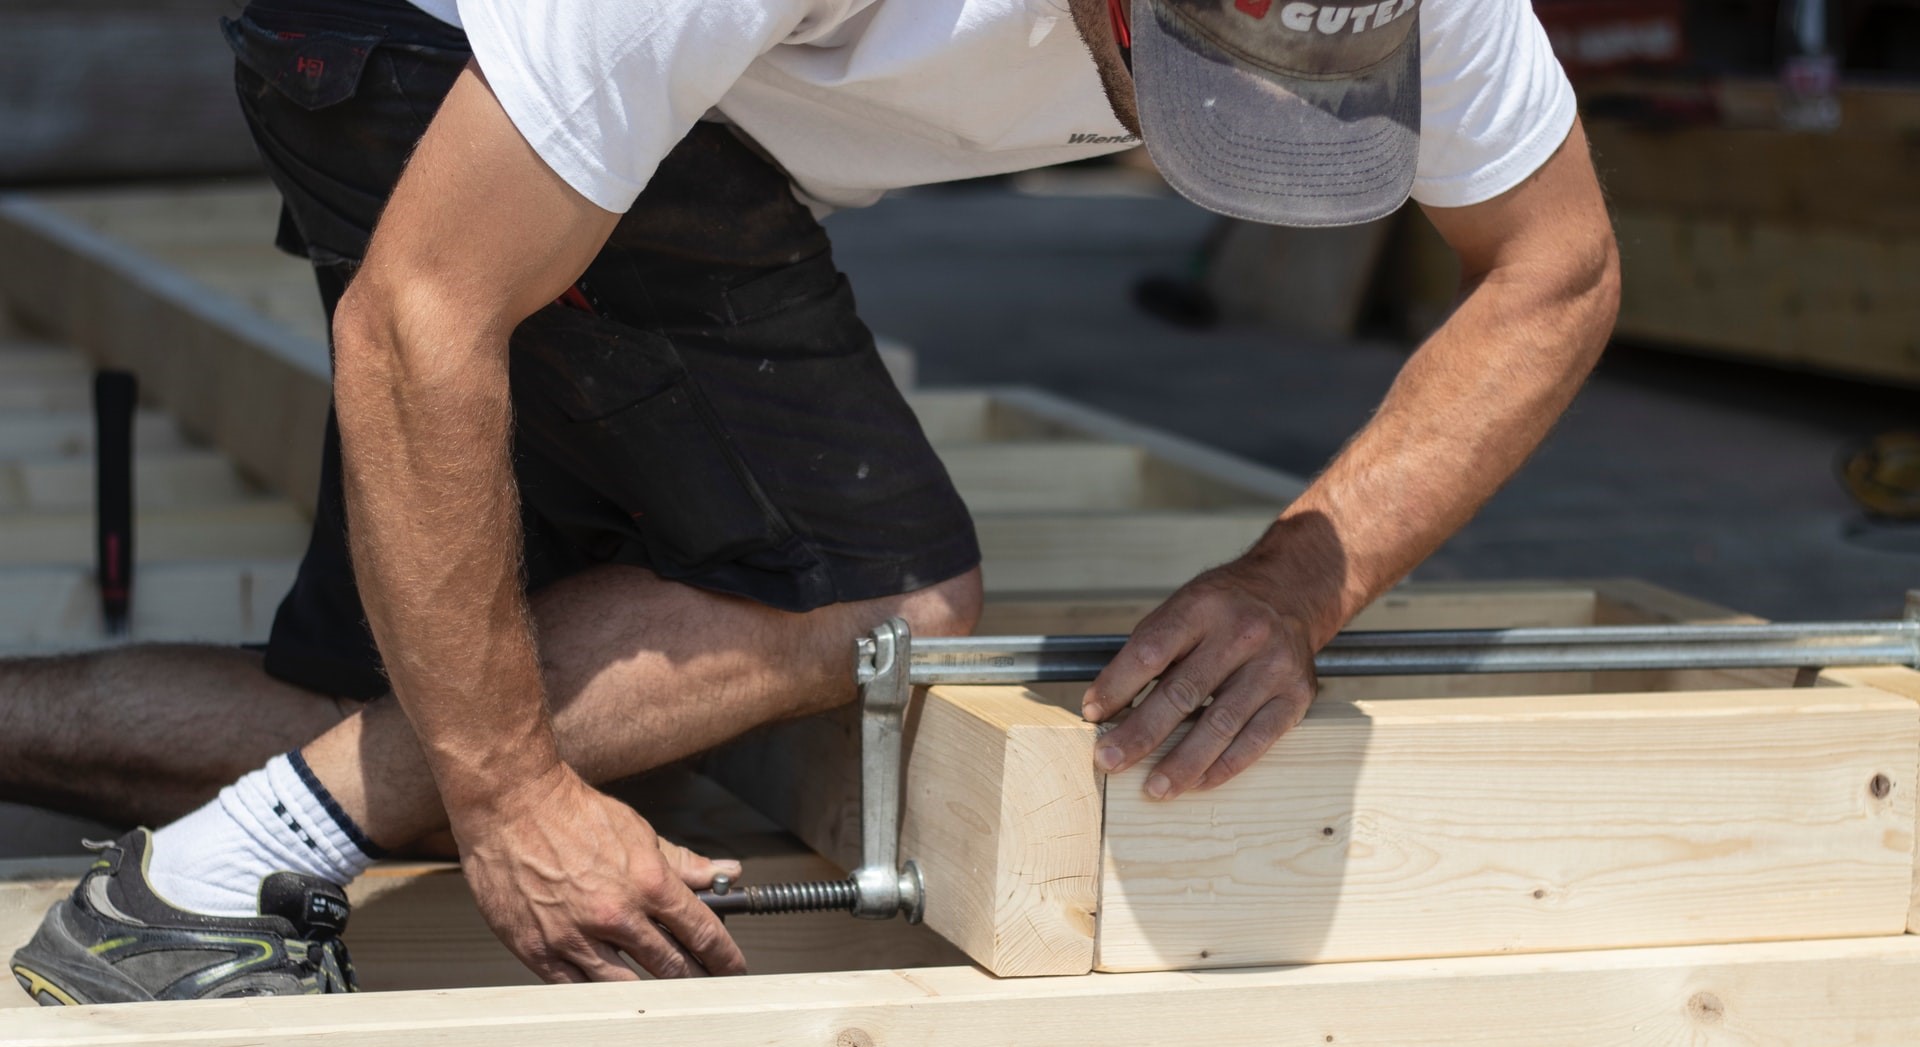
328, 962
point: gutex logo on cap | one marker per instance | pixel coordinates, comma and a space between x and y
1296, 38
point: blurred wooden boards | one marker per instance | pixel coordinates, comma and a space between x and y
1793, 248
183, 286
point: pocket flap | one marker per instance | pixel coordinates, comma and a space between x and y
314, 68
589, 367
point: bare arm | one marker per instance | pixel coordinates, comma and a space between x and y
1541, 282
479, 234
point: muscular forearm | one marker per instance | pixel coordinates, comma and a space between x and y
1465, 412
434, 523
1467, 409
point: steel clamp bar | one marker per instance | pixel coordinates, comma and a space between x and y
1039, 659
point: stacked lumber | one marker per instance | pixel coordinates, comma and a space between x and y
202, 525
1535, 858
1749, 240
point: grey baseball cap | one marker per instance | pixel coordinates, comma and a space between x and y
1281, 111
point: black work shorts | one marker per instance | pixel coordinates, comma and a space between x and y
708, 406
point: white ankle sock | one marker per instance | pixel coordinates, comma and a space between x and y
276, 819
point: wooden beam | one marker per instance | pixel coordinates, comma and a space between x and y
229, 376
1002, 812
1824, 992
1636, 601
27, 360
31, 392
1906, 683
1093, 551
157, 219
45, 434
165, 480
804, 773
1806, 296
1459, 826
1637, 819
263, 530
47, 609
1787, 293
1035, 475
1629, 601
1196, 475
1844, 180
414, 925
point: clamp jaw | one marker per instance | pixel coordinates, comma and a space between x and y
881, 888
884, 886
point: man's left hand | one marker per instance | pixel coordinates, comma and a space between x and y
1234, 633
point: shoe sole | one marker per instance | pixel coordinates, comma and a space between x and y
56, 969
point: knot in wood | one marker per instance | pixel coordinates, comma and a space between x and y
1706, 1008
1880, 786
853, 1038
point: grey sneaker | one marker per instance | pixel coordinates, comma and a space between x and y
115, 941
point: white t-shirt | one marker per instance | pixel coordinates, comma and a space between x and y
856, 97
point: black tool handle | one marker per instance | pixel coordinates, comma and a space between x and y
114, 396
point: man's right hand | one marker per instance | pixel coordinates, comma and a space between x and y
569, 878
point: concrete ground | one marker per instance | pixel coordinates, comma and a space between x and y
1709, 477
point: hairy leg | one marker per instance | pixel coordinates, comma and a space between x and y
640, 672
144, 734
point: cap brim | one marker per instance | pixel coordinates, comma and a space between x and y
1271, 148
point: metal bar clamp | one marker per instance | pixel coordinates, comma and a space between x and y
884, 886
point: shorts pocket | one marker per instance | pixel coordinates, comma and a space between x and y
614, 406
314, 68
783, 288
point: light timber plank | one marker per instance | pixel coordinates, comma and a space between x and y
164, 480
963, 416
50, 392
1856, 992
1194, 466
1841, 181
1906, 683
1461, 826
1042, 475
414, 925
1091, 551
1018, 613
44, 609
1002, 813
1636, 601
804, 773
158, 218
1629, 601
267, 529
254, 389
1783, 292
40, 434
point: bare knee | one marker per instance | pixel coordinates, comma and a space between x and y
951, 608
